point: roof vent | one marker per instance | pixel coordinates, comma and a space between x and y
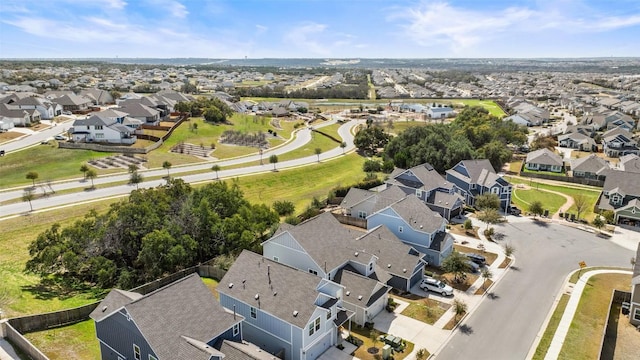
275, 293
348, 293
257, 296
388, 265
404, 270
359, 297
295, 313
230, 285
104, 308
356, 253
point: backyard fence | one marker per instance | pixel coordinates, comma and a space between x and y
569, 179
610, 331
38, 322
7, 331
349, 220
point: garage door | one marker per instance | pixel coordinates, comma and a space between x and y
318, 348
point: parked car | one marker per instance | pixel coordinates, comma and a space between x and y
437, 286
477, 258
473, 267
60, 137
514, 210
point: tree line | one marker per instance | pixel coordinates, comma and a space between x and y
212, 109
155, 232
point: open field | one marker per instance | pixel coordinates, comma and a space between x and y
585, 332
523, 198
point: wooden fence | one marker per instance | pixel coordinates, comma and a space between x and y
569, 179
610, 331
349, 220
20, 342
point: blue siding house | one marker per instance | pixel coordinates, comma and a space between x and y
182, 320
477, 177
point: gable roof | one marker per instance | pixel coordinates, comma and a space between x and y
591, 163
545, 157
178, 318
72, 100
115, 300
428, 178
417, 214
623, 181
280, 289
362, 291
630, 162
478, 171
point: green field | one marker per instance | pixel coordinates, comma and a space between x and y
76, 341
523, 198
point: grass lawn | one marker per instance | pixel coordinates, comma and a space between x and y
515, 166
367, 351
576, 275
523, 198
76, 341
559, 175
48, 161
426, 310
300, 185
212, 284
317, 141
23, 296
583, 338
9, 135
547, 337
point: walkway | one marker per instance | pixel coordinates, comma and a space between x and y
569, 312
563, 209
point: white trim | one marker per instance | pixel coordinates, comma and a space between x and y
636, 314
112, 349
137, 355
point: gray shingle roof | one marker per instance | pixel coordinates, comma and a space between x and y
417, 214
544, 157
630, 162
170, 316
627, 182
294, 290
360, 290
427, 176
591, 163
115, 300
443, 200
243, 351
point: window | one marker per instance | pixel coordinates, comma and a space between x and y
362, 214
371, 267
98, 127
317, 324
99, 136
254, 313
473, 186
400, 229
151, 357
236, 329
329, 314
419, 193
495, 190
136, 352
275, 258
636, 314
314, 326
311, 331
311, 271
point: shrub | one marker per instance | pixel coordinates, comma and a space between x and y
283, 207
371, 166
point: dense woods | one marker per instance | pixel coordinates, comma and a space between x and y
155, 232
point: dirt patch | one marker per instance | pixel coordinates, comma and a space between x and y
505, 263
38, 127
8, 136
491, 257
628, 340
449, 278
458, 229
481, 290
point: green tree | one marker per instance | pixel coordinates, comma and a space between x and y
166, 165
456, 264
486, 275
136, 178
459, 308
487, 201
161, 253
370, 139
609, 216
489, 216
371, 166
497, 154
544, 142
214, 115
318, 151
468, 225
183, 107
283, 208
115, 94
216, 168
91, 174
84, 168
32, 175
132, 168
343, 145
536, 208
273, 159
189, 88
28, 196
598, 222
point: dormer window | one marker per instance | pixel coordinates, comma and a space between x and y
616, 199
473, 186
419, 193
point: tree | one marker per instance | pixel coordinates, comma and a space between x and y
371, 166
273, 159
318, 151
370, 139
84, 168
598, 222
486, 275
581, 203
32, 175
182, 107
509, 250
343, 145
373, 335
489, 216
91, 174
214, 115
28, 195
115, 94
166, 165
468, 225
132, 168
497, 154
136, 178
459, 308
609, 216
487, 201
456, 264
536, 208
216, 168
189, 88
543, 142
283, 208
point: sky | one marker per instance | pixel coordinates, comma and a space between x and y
232, 29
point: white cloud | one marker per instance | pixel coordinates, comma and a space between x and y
173, 7
306, 37
260, 29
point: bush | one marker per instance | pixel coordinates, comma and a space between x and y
292, 220
283, 207
467, 224
370, 166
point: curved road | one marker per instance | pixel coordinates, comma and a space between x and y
302, 137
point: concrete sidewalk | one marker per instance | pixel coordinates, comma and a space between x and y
563, 327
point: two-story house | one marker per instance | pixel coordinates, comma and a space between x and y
182, 320
619, 142
424, 181
629, 162
621, 193
100, 128
291, 313
544, 160
417, 226
477, 177
589, 167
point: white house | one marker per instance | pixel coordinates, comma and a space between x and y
102, 129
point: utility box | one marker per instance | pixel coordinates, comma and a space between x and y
386, 351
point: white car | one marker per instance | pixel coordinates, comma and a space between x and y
60, 137
437, 286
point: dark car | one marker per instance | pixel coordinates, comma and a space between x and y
476, 258
514, 210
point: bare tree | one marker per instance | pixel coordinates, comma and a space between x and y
580, 202
28, 195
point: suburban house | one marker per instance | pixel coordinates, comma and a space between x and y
362, 203
139, 111
411, 220
619, 142
582, 129
429, 186
544, 160
621, 193
104, 129
182, 320
630, 162
477, 177
19, 117
73, 102
634, 313
578, 141
589, 167
98, 96
47, 109
439, 112
290, 313
5, 124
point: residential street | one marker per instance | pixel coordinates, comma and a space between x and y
505, 325
103, 190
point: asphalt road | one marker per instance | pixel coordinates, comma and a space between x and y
505, 326
103, 190
37, 137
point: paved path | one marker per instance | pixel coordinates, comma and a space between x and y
569, 312
563, 209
